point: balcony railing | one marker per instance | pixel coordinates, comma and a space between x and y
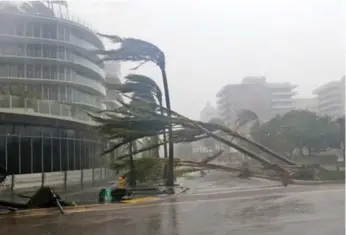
51, 108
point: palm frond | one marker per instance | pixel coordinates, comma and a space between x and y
112, 38
132, 49
245, 116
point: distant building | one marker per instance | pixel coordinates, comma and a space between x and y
309, 104
331, 98
255, 94
208, 112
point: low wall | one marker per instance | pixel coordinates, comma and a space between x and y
62, 178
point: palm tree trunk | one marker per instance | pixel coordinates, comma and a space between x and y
155, 151
240, 148
132, 175
261, 147
170, 164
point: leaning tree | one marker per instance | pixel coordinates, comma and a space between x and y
137, 50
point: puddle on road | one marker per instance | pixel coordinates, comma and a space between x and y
267, 211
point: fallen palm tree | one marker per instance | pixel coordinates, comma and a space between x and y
127, 124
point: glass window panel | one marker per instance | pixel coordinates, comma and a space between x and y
71, 154
83, 155
13, 154
37, 30
30, 29
20, 29
37, 154
56, 154
47, 153
55, 109
37, 70
2, 149
25, 155
29, 71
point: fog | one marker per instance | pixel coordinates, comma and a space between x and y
209, 44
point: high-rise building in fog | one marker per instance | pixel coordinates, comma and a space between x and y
331, 98
308, 104
255, 94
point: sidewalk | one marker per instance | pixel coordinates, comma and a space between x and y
82, 196
71, 193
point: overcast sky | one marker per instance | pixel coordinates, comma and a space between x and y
212, 43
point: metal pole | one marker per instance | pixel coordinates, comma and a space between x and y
86, 158
31, 155
19, 156
74, 154
80, 164
42, 161
66, 165
93, 165
67, 156
60, 160
51, 153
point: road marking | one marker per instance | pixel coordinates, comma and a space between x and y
211, 189
244, 190
141, 199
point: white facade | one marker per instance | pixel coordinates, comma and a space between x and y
255, 94
281, 97
331, 98
49, 56
112, 70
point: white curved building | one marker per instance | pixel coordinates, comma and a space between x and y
50, 57
49, 80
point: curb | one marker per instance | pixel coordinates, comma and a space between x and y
309, 182
89, 208
304, 182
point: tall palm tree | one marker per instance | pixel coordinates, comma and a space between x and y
146, 95
137, 50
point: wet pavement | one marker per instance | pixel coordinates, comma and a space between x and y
216, 204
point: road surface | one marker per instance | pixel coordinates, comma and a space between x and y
216, 204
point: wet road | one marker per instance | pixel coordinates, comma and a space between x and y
216, 204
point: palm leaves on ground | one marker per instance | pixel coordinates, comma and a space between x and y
137, 50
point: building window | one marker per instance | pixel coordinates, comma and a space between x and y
37, 70
30, 29
30, 71
20, 29
37, 30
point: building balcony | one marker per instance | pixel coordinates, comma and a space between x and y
78, 63
15, 104
76, 44
82, 83
72, 22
